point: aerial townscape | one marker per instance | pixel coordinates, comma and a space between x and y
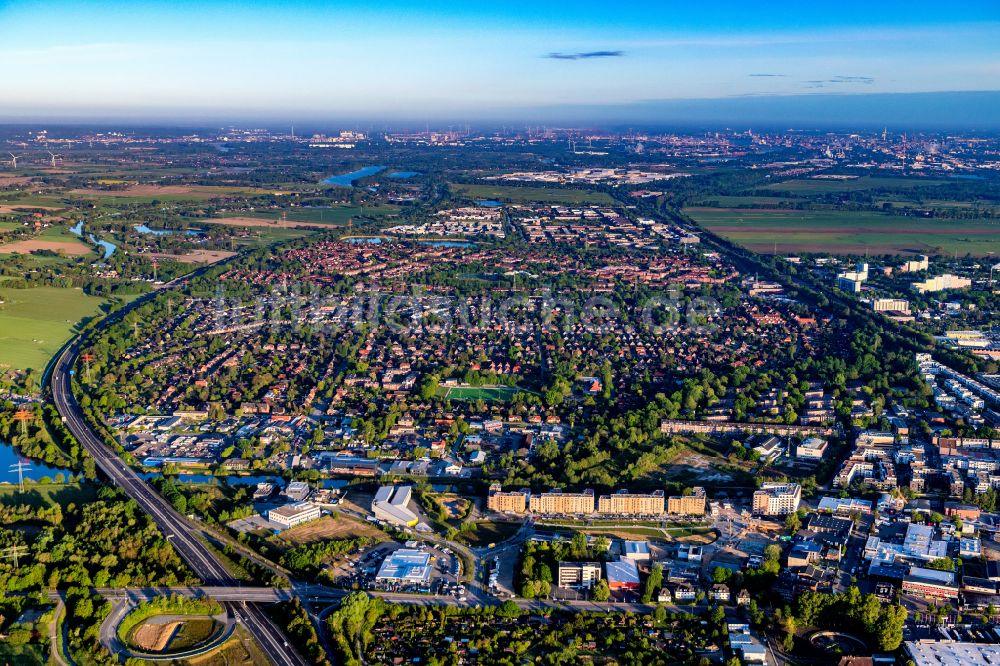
462, 376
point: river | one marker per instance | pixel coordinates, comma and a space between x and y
109, 248
347, 179
145, 229
35, 470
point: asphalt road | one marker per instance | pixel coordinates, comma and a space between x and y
202, 561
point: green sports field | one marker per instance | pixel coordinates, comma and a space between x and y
484, 393
848, 232
35, 323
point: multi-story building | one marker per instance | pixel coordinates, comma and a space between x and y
931, 583
942, 282
891, 305
922, 263
511, 501
579, 574
687, 505
813, 448
556, 502
777, 499
632, 504
718, 428
291, 515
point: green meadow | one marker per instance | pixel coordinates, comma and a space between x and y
847, 232
35, 323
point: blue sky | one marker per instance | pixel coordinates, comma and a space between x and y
475, 59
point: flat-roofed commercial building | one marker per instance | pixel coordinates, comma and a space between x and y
951, 653
391, 505
637, 551
622, 574
844, 505
557, 502
777, 499
406, 565
290, 515
633, 504
511, 501
931, 583
687, 505
578, 574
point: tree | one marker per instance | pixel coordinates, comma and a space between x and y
942, 564
508, 609
793, 523
653, 583
721, 575
601, 591
889, 630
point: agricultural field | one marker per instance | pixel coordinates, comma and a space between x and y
733, 201
35, 323
333, 216
164, 193
823, 185
848, 232
547, 195
484, 393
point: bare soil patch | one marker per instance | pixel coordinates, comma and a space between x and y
152, 637
28, 246
136, 191
329, 527
196, 257
24, 208
14, 180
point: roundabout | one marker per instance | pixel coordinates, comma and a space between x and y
160, 632
836, 643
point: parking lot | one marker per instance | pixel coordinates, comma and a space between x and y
361, 572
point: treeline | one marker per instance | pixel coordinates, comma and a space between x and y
295, 622
882, 624
307, 559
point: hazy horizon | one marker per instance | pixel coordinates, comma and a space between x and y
899, 111
665, 62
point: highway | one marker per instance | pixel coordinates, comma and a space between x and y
194, 552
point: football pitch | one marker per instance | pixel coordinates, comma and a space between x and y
484, 393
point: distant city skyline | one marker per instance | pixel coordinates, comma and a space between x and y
639, 62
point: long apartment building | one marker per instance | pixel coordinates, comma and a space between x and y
777, 499
688, 505
683, 427
511, 501
632, 504
556, 501
621, 503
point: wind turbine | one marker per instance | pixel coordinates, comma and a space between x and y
53, 156
13, 160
